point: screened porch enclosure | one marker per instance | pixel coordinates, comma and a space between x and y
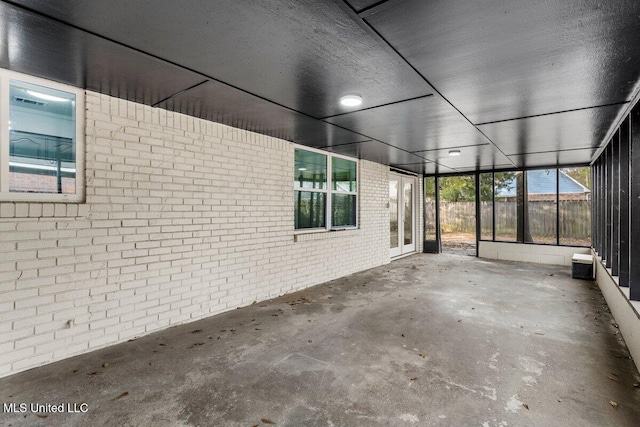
555, 209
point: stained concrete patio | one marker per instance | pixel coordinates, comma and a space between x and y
429, 340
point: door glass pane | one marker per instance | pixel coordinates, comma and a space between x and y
408, 213
575, 206
540, 224
393, 213
430, 208
486, 206
309, 209
42, 146
343, 210
310, 170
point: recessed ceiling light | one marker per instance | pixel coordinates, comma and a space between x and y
302, 169
47, 97
454, 152
351, 100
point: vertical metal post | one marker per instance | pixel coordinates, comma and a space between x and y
438, 234
608, 209
625, 134
493, 206
602, 218
595, 196
634, 216
557, 206
521, 186
478, 212
615, 200
592, 171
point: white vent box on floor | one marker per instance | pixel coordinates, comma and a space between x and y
582, 266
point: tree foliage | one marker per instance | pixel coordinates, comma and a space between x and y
582, 175
462, 188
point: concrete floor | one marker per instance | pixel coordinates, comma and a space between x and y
429, 340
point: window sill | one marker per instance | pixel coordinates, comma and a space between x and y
313, 235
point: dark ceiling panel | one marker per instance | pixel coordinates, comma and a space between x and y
377, 152
420, 124
287, 62
303, 54
497, 60
576, 129
41, 47
554, 158
221, 103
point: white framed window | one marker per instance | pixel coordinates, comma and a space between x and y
41, 140
325, 190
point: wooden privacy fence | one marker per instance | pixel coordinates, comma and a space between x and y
575, 217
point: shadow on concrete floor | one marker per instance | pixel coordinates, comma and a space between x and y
428, 340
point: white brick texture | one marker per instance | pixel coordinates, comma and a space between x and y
183, 219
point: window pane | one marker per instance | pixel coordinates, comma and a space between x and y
575, 206
310, 170
343, 210
540, 224
486, 206
42, 146
430, 208
506, 205
343, 175
309, 209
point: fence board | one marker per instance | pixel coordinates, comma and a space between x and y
575, 218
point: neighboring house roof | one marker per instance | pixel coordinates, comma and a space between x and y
544, 182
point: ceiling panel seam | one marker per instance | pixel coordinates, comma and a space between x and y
422, 76
371, 6
555, 112
419, 163
553, 151
385, 143
179, 92
378, 106
346, 143
449, 148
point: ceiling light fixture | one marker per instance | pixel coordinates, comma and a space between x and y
351, 100
302, 169
47, 97
454, 152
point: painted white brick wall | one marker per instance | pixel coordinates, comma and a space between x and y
183, 219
